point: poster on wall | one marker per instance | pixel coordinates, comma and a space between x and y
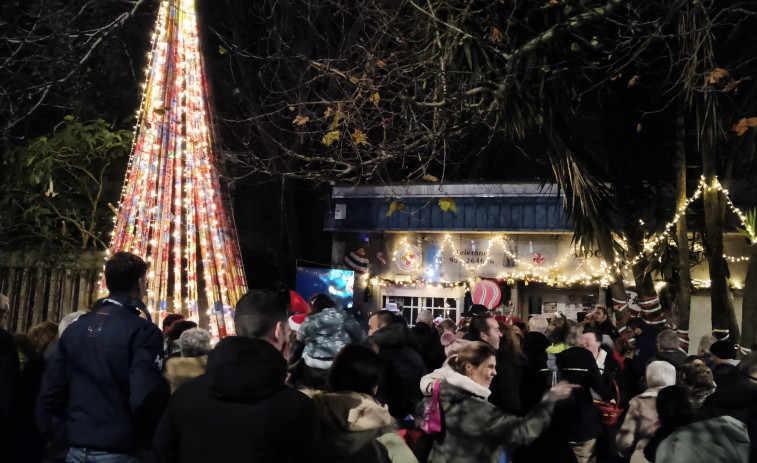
548, 308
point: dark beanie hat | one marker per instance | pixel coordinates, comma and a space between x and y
476, 310
723, 350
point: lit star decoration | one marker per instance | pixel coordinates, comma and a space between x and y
172, 209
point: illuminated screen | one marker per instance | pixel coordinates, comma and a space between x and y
337, 284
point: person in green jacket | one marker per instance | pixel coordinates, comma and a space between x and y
474, 428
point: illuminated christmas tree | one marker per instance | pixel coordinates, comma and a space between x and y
172, 210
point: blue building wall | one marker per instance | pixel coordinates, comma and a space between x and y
516, 214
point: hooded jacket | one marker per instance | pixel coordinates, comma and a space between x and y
326, 332
357, 428
105, 378
238, 411
717, 440
403, 370
475, 428
639, 425
179, 370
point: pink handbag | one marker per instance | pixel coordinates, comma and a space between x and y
432, 415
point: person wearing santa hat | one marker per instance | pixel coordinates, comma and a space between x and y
324, 332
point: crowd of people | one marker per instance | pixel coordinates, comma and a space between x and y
107, 385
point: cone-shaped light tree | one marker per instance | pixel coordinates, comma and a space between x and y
172, 210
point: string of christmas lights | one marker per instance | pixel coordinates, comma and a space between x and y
650, 245
171, 202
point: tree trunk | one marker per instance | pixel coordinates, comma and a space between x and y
617, 287
749, 304
649, 302
724, 323
683, 298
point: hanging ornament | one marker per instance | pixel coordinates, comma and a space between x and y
408, 258
538, 258
357, 261
486, 293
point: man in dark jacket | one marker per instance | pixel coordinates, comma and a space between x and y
425, 340
403, 367
576, 418
667, 346
646, 349
533, 385
105, 379
724, 369
603, 324
240, 410
736, 392
505, 386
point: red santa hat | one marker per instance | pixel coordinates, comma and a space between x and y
297, 304
296, 320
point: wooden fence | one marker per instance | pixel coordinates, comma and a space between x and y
43, 288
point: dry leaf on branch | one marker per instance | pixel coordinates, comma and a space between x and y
375, 98
733, 84
744, 123
717, 74
359, 138
430, 178
495, 36
331, 137
338, 116
634, 80
299, 120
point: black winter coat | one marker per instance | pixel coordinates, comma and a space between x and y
425, 340
238, 411
576, 417
105, 379
533, 386
505, 386
403, 369
606, 327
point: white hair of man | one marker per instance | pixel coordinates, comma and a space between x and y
538, 323
194, 342
706, 342
668, 340
661, 374
425, 316
67, 320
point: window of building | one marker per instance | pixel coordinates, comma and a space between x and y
409, 306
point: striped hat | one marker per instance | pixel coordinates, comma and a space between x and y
357, 261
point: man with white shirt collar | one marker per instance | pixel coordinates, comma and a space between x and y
608, 366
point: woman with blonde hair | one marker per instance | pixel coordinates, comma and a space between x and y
475, 428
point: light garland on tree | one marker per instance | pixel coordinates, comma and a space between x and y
171, 202
650, 245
